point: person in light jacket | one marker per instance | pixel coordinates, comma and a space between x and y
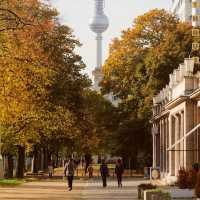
69, 172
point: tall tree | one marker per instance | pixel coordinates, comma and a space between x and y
139, 64
41, 82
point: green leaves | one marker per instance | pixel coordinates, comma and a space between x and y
41, 82
139, 65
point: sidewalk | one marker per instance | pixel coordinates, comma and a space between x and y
83, 190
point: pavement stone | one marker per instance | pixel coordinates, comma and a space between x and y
83, 190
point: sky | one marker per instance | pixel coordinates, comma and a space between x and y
121, 13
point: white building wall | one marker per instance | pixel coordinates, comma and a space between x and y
183, 9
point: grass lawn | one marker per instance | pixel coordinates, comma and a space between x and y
11, 182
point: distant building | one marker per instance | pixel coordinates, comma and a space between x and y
176, 122
183, 9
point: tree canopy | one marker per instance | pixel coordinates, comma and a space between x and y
138, 66
46, 103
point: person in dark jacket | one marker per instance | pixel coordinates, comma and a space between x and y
104, 172
119, 170
69, 172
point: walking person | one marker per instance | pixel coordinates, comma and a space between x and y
104, 172
90, 170
119, 170
69, 172
50, 169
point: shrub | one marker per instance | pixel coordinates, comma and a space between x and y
191, 178
196, 166
147, 186
143, 187
182, 178
187, 178
167, 196
197, 187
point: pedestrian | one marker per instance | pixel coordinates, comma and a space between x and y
50, 169
119, 170
69, 172
104, 172
90, 170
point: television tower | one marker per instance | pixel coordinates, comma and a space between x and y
98, 24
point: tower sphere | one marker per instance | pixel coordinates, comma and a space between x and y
99, 23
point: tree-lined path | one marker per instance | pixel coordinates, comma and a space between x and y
87, 190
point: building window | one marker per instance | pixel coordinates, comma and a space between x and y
194, 5
195, 46
195, 33
195, 18
196, 60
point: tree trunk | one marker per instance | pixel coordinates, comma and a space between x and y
42, 159
35, 162
57, 158
10, 166
50, 158
45, 159
20, 162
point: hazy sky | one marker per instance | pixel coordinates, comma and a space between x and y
76, 14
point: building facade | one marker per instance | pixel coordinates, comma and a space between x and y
183, 9
176, 122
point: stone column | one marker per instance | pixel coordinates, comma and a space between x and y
161, 145
171, 142
182, 142
154, 144
164, 145
189, 141
158, 147
177, 147
164, 148
167, 144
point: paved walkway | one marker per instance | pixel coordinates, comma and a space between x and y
83, 190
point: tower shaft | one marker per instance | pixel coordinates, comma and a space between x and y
99, 51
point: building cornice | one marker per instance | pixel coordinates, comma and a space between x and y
164, 113
175, 102
195, 94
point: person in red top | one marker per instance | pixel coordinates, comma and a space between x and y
119, 170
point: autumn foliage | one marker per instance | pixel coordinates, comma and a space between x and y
138, 66
43, 92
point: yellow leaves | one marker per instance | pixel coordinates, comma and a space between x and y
41, 84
